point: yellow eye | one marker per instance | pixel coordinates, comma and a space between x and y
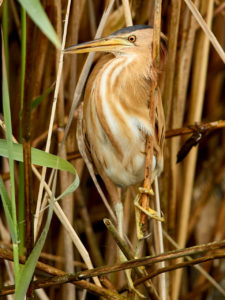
132, 38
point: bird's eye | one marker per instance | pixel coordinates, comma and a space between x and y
132, 38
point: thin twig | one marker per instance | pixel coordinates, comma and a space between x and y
216, 255
204, 127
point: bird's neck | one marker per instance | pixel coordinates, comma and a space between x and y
122, 92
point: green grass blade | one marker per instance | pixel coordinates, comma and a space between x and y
9, 149
27, 271
38, 15
5, 20
73, 186
44, 159
7, 209
38, 157
21, 208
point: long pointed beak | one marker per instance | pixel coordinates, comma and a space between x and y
108, 44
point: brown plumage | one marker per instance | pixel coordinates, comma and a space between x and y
116, 105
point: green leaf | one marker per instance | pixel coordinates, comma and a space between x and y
9, 150
38, 157
38, 15
44, 159
8, 209
27, 270
37, 101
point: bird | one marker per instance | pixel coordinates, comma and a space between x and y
116, 118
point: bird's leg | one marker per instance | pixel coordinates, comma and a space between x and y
149, 212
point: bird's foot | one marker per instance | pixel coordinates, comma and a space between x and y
149, 212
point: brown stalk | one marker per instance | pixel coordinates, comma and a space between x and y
202, 127
144, 201
26, 137
180, 42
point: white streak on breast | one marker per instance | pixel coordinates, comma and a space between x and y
106, 96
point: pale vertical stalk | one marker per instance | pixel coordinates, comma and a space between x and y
127, 13
196, 105
56, 92
68, 291
181, 79
159, 245
174, 21
159, 232
169, 103
206, 28
63, 219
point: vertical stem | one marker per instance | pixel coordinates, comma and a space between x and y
26, 133
5, 33
21, 211
195, 112
159, 245
7, 115
127, 12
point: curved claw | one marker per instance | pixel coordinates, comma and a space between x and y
149, 212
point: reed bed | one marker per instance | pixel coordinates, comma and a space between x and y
71, 243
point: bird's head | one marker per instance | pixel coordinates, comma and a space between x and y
127, 41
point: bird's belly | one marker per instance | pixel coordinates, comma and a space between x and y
129, 170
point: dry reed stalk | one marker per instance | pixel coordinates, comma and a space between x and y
68, 291
180, 76
56, 92
170, 113
127, 13
195, 111
206, 28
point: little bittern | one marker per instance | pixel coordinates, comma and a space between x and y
116, 105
